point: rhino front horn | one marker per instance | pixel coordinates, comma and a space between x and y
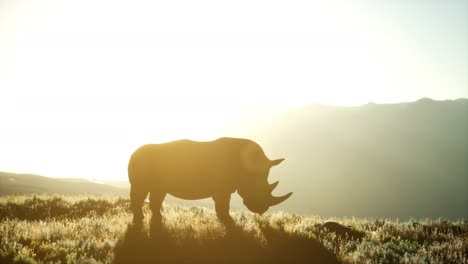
275, 162
277, 200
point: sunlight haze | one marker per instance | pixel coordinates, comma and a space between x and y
84, 83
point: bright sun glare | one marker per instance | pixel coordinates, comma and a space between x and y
83, 83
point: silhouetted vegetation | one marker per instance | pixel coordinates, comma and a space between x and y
57, 208
82, 229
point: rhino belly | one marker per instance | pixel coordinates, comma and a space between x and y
193, 186
190, 195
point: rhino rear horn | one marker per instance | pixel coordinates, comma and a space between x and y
273, 186
277, 200
275, 162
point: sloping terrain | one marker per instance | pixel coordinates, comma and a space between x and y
88, 230
407, 160
397, 160
11, 183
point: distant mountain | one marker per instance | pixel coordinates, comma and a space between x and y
376, 160
11, 183
119, 184
389, 160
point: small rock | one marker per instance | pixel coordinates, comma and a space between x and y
341, 230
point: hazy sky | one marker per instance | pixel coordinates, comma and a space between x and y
83, 83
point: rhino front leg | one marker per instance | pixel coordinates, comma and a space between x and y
156, 200
222, 202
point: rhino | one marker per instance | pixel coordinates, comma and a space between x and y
194, 170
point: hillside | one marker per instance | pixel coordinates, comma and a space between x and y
12, 183
407, 160
95, 230
392, 160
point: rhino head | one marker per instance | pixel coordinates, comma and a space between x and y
254, 187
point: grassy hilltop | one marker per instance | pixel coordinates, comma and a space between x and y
79, 229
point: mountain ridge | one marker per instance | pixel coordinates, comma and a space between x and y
17, 183
376, 160
405, 160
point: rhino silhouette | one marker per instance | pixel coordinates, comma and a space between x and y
195, 170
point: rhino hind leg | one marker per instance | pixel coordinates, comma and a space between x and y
222, 204
137, 197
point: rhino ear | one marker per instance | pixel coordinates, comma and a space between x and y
275, 162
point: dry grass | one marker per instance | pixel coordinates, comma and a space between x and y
62, 229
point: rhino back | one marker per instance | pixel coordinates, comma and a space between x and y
196, 165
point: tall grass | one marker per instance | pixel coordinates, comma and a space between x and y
81, 229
